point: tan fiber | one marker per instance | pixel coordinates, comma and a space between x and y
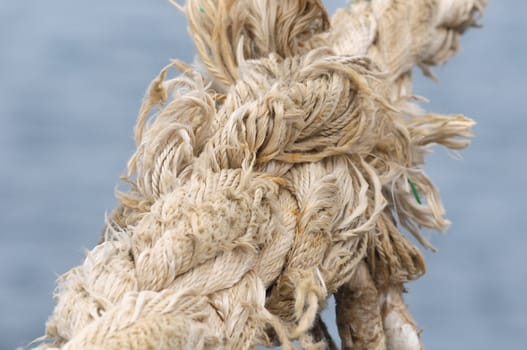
275, 173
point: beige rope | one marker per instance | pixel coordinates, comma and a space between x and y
275, 178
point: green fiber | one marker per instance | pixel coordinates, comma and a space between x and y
414, 191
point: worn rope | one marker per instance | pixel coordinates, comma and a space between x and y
277, 171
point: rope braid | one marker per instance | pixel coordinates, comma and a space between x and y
273, 178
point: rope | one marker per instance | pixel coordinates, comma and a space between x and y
276, 177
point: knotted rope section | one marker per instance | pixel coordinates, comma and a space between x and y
275, 173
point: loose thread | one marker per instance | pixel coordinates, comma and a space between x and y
414, 191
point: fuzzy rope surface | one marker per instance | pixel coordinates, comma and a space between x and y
273, 174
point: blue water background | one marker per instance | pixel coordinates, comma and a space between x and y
72, 75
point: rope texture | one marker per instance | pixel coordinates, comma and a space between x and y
269, 176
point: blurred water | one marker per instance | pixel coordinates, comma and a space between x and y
72, 74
